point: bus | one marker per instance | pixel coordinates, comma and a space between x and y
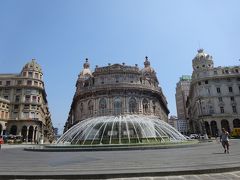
235, 132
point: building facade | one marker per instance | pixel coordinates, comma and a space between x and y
214, 97
27, 113
182, 92
4, 115
180, 124
115, 90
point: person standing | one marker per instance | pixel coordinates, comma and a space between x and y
224, 138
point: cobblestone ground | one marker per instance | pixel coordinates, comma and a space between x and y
215, 176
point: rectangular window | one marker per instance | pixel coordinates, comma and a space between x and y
26, 106
18, 91
222, 110
17, 98
206, 82
35, 83
0, 82
16, 107
199, 83
215, 72
220, 99
34, 99
36, 75
230, 89
234, 109
27, 98
5, 97
232, 98
218, 90
30, 74
8, 83
24, 74
6, 90
19, 82
25, 114
29, 83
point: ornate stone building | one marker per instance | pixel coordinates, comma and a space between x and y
214, 98
4, 114
116, 90
28, 114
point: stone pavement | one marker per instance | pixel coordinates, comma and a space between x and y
197, 162
213, 176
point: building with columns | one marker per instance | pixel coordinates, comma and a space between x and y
115, 90
23, 105
214, 97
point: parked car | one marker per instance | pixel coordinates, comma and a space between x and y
1, 140
11, 139
194, 136
187, 137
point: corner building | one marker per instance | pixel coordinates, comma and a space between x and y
23, 105
214, 97
117, 89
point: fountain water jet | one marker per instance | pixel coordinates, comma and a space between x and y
109, 130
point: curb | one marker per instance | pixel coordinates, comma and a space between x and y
122, 175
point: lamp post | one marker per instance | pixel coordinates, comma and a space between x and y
203, 128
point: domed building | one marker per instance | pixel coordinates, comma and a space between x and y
213, 101
28, 114
116, 102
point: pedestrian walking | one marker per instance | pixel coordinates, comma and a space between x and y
224, 138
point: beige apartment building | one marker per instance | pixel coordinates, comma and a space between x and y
4, 114
23, 105
214, 97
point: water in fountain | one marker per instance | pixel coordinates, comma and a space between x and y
127, 129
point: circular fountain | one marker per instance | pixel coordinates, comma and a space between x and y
126, 129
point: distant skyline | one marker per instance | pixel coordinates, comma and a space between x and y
60, 34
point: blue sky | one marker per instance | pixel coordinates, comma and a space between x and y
61, 34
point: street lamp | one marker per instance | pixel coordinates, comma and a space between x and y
203, 128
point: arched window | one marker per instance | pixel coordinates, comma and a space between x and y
207, 127
30, 134
24, 133
132, 105
90, 107
225, 125
214, 128
236, 123
145, 106
103, 106
117, 106
13, 130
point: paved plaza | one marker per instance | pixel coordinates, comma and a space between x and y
195, 162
